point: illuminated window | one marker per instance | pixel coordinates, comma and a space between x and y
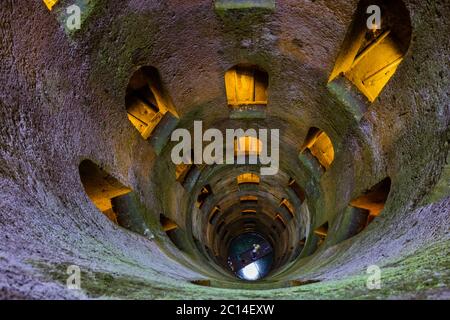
286, 204
101, 188
373, 200
248, 198
297, 189
50, 3
167, 224
246, 85
204, 193
322, 232
320, 146
369, 58
213, 216
248, 178
181, 171
146, 101
173, 232
247, 145
186, 171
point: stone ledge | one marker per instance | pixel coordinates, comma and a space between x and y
310, 163
248, 112
162, 132
243, 4
349, 97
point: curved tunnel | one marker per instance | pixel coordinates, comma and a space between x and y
357, 121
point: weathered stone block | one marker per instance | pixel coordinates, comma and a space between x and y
162, 132
349, 97
312, 165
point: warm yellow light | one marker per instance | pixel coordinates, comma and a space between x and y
213, 213
373, 207
146, 101
374, 199
181, 171
279, 218
285, 203
249, 198
143, 116
101, 187
370, 57
167, 224
247, 145
248, 178
50, 3
375, 65
246, 86
322, 231
204, 193
320, 146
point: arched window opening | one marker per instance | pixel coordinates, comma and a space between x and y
146, 101
214, 215
250, 200
173, 232
288, 206
322, 233
247, 145
248, 178
246, 86
167, 224
183, 170
101, 188
370, 57
204, 193
50, 4
187, 173
248, 212
354, 221
373, 200
320, 146
297, 189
